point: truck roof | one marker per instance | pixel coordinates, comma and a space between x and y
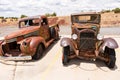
33, 17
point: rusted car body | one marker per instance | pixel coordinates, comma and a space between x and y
29, 42
86, 42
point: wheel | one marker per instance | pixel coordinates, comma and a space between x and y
66, 52
38, 53
52, 32
111, 63
57, 33
112, 58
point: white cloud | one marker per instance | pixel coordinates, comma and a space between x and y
61, 7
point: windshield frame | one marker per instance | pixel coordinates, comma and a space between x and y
97, 20
29, 22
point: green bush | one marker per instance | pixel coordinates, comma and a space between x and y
53, 14
22, 16
116, 10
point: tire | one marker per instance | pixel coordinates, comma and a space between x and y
52, 32
39, 52
66, 52
112, 58
57, 32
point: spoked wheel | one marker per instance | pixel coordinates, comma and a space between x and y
38, 53
112, 58
66, 52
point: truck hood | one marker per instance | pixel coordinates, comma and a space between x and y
21, 32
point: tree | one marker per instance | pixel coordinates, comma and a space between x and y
53, 14
1, 17
47, 14
105, 11
116, 10
22, 16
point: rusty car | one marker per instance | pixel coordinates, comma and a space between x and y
35, 34
86, 42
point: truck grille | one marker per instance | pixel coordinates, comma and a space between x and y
87, 41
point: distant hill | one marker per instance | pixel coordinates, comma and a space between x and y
108, 19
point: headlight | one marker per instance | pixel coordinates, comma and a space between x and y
100, 37
74, 36
64, 43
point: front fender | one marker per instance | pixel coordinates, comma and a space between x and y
69, 42
110, 43
66, 42
29, 45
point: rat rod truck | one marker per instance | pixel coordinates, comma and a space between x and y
33, 37
86, 42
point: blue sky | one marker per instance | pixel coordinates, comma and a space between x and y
61, 7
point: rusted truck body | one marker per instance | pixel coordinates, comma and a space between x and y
33, 37
86, 42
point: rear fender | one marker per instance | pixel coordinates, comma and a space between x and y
29, 45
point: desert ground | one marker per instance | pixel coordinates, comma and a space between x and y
50, 67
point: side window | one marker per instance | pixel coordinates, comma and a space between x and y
22, 24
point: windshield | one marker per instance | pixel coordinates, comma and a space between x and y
85, 19
30, 22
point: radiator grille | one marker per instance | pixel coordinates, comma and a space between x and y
87, 41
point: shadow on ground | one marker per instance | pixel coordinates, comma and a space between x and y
98, 65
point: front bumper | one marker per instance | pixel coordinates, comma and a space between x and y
18, 58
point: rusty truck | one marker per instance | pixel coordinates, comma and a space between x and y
35, 34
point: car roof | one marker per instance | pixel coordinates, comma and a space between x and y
86, 13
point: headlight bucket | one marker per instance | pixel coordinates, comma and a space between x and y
74, 36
